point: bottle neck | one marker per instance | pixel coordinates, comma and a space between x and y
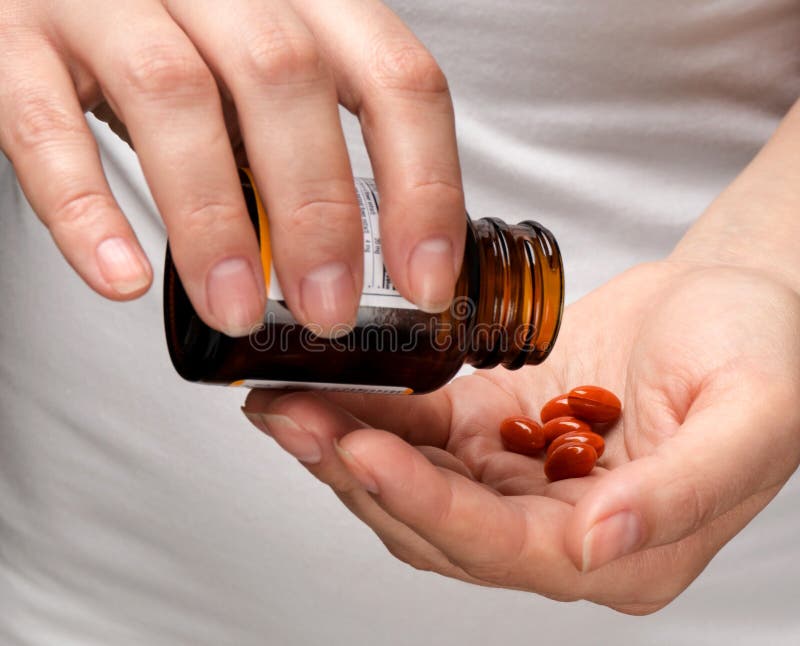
517, 287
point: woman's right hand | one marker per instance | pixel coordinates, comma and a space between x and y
192, 84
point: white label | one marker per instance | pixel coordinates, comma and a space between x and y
312, 385
378, 289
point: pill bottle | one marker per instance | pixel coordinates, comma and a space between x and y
506, 311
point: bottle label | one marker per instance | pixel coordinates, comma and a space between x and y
311, 385
378, 290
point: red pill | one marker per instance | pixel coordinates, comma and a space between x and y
594, 404
522, 435
556, 407
581, 437
570, 460
561, 425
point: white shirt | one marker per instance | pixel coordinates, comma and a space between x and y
136, 509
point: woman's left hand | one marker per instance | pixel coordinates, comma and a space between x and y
707, 360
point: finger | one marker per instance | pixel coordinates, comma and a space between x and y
288, 110
418, 419
445, 460
723, 454
308, 427
159, 86
387, 77
469, 432
45, 135
514, 541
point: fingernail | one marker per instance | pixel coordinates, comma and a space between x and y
121, 266
329, 299
357, 469
292, 438
432, 275
234, 297
610, 539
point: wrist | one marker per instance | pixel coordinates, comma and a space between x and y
755, 222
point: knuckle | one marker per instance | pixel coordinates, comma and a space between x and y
410, 557
406, 66
443, 511
505, 556
314, 213
40, 121
495, 570
78, 213
438, 190
208, 217
502, 573
645, 595
698, 508
321, 218
277, 57
159, 69
448, 190
640, 609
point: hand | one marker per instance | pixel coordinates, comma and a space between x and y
192, 84
708, 362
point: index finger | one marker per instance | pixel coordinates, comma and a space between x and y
509, 541
158, 84
421, 420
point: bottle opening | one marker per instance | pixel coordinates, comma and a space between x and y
521, 294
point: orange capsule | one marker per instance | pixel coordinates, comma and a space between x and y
561, 425
556, 407
581, 437
594, 404
570, 460
522, 435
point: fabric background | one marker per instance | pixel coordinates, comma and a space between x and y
136, 509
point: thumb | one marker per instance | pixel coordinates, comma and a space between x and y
721, 455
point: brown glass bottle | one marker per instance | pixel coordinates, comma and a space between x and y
507, 310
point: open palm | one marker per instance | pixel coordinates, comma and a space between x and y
707, 361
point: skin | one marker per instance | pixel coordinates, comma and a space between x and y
191, 86
703, 349
197, 86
